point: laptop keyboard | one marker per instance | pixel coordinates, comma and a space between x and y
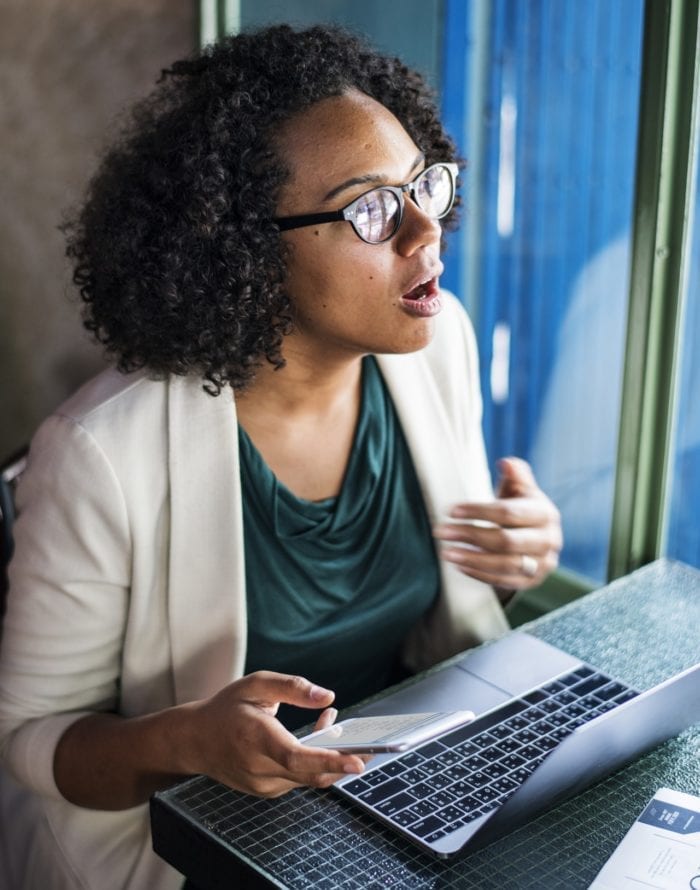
443, 785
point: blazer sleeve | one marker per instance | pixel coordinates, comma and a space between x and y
69, 590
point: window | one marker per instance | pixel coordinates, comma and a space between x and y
546, 115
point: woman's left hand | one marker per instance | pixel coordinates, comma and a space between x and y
512, 542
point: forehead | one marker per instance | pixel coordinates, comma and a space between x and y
340, 138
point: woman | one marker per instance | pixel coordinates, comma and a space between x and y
239, 517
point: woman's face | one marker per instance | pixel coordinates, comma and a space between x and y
352, 298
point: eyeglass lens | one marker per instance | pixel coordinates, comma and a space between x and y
377, 213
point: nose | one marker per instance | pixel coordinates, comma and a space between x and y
417, 230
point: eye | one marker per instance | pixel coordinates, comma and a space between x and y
434, 192
376, 214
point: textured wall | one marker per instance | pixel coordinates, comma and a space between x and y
67, 67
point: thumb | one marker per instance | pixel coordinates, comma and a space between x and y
516, 478
268, 688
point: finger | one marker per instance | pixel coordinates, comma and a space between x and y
536, 540
327, 718
509, 512
516, 478
502, 571
268, 688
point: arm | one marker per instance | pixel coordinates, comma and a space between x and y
62, 657
104, 761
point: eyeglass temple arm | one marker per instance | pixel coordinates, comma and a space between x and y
307, 219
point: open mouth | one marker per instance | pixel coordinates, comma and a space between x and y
423, 291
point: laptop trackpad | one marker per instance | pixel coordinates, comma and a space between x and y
449, 690
483, 679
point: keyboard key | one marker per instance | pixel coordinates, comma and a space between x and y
495, 753
462, 788
507, 746
626, 696
561, 732
505, 785
519, 775
421, 809
438, 781
550, 705
474, 763
404, 818
543, 727
422, 790
374, 778
612, 690
525, 736
411, 759
466, 749
357, 786
494, 770
483, 740
382, 792
501, 732
456, 772
565, 698
534, 697
431, 766
551, 688
529, 752
593, 683
512, 761
516, 723
570, 679
393, 768
427, 826
546, 743
574, 710
436, 835
442, 799
584, 672
533, 714
451, 813
432, 749
448, 758
487, 794
394, 804
415, 775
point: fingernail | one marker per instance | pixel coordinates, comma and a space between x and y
318, 693
353, 768
331, 714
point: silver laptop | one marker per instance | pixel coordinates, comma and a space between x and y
547, 726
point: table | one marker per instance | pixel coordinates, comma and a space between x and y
641, 629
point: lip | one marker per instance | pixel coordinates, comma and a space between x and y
427, 306
427, 275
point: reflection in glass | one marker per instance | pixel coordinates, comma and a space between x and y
545, 111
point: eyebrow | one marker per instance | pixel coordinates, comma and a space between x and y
368, 179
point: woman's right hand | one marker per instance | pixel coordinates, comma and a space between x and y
235, 737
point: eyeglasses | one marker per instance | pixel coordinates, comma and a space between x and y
377, 214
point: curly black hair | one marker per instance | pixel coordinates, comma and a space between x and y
177, 258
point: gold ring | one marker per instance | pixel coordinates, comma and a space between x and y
528, 565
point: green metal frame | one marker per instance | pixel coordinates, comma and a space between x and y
662, 214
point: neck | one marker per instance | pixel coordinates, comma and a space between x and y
302, 386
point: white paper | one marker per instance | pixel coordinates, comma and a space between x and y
661, 850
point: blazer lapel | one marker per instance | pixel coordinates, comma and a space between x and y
439, 465
206, 602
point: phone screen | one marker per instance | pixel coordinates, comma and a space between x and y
395, 732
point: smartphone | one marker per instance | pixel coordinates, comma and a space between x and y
377, 735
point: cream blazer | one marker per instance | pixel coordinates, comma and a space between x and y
128, 583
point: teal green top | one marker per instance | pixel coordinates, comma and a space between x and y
335, 585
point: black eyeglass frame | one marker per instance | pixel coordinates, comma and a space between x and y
349, 212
